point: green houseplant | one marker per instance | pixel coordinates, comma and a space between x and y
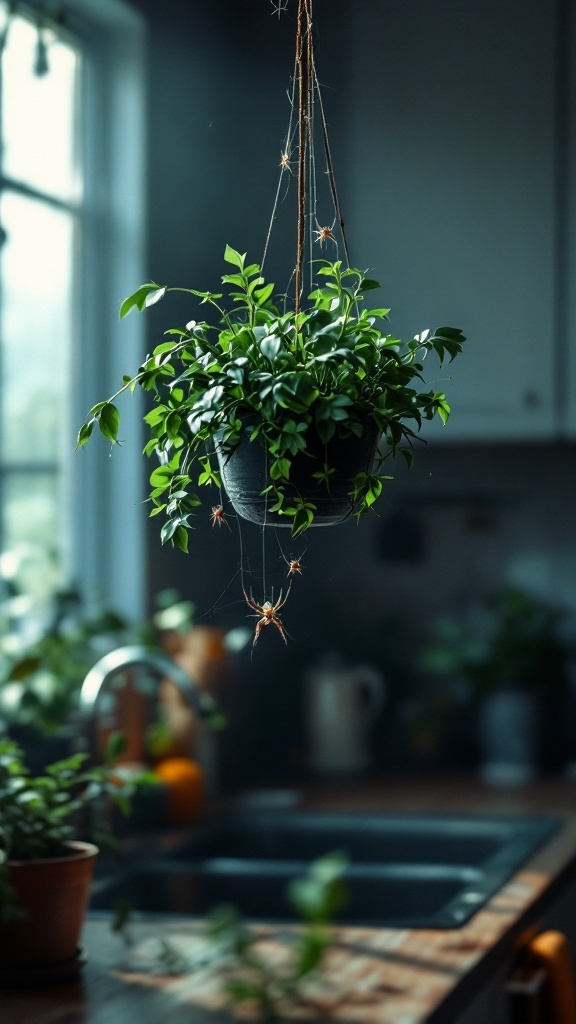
45, 872
290, 383
42, 668
506, 656
516, 644
284, 400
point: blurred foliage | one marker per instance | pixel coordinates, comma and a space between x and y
250, 977
512, 640
46, 653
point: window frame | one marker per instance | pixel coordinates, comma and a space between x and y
106, 545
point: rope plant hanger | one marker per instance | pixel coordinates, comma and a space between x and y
306, 97
290, 410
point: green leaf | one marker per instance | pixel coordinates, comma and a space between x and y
236, 279
168, 530
231, 256
96, 408
254, 284
153, 297
109, 421
367, 284
84, 433
140, 298
155, 416
261, 295
302, 520
166, 346
319, 894
443, 410
240, 991
280, 469
173, 423
160, 477
270, 346
310, 951
381, 313
180, 539
115, 746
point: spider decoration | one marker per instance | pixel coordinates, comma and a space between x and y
268, 613
294, 565
217, 516
280, 8
323, 234
285, 162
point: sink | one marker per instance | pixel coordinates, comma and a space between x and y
406, 871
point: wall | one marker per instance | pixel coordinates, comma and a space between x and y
465, 519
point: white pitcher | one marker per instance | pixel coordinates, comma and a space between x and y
341, 705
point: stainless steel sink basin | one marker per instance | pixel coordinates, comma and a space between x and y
406, 871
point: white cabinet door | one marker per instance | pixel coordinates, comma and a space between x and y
450, 171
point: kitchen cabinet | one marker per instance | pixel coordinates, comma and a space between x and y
492, 1002
459, 174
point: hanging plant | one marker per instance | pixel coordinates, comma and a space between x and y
288, 381
281, 380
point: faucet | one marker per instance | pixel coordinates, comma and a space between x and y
203, 704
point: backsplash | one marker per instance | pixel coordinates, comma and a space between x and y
464, 521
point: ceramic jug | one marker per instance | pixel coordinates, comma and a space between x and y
342, 704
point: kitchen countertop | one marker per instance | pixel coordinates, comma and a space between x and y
385, 976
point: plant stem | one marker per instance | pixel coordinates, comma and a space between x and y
223, 313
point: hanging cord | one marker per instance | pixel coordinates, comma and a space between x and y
329, 164
264, 529
305, 81
312, 190
284, 165
309, 92
304, 69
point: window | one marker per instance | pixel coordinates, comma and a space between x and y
71, 215
40, 198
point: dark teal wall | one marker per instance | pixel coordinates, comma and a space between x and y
218, 71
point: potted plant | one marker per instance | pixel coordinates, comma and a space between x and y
45, 872
505, 655
283, 400
285, 407
45, 653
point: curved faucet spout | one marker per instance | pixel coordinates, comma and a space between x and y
128, 657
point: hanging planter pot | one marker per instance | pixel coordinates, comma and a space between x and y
245, 475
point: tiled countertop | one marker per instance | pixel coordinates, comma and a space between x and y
384, 976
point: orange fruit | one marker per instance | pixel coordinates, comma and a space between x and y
184, 780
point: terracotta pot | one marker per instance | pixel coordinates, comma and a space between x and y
244, 475
53, 895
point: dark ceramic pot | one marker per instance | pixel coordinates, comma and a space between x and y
244, 475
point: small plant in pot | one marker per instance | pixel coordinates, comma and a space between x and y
506, 655
45, 871
512, 641
285, 407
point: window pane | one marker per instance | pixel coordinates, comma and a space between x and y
31, 529
38, 113
36, 329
